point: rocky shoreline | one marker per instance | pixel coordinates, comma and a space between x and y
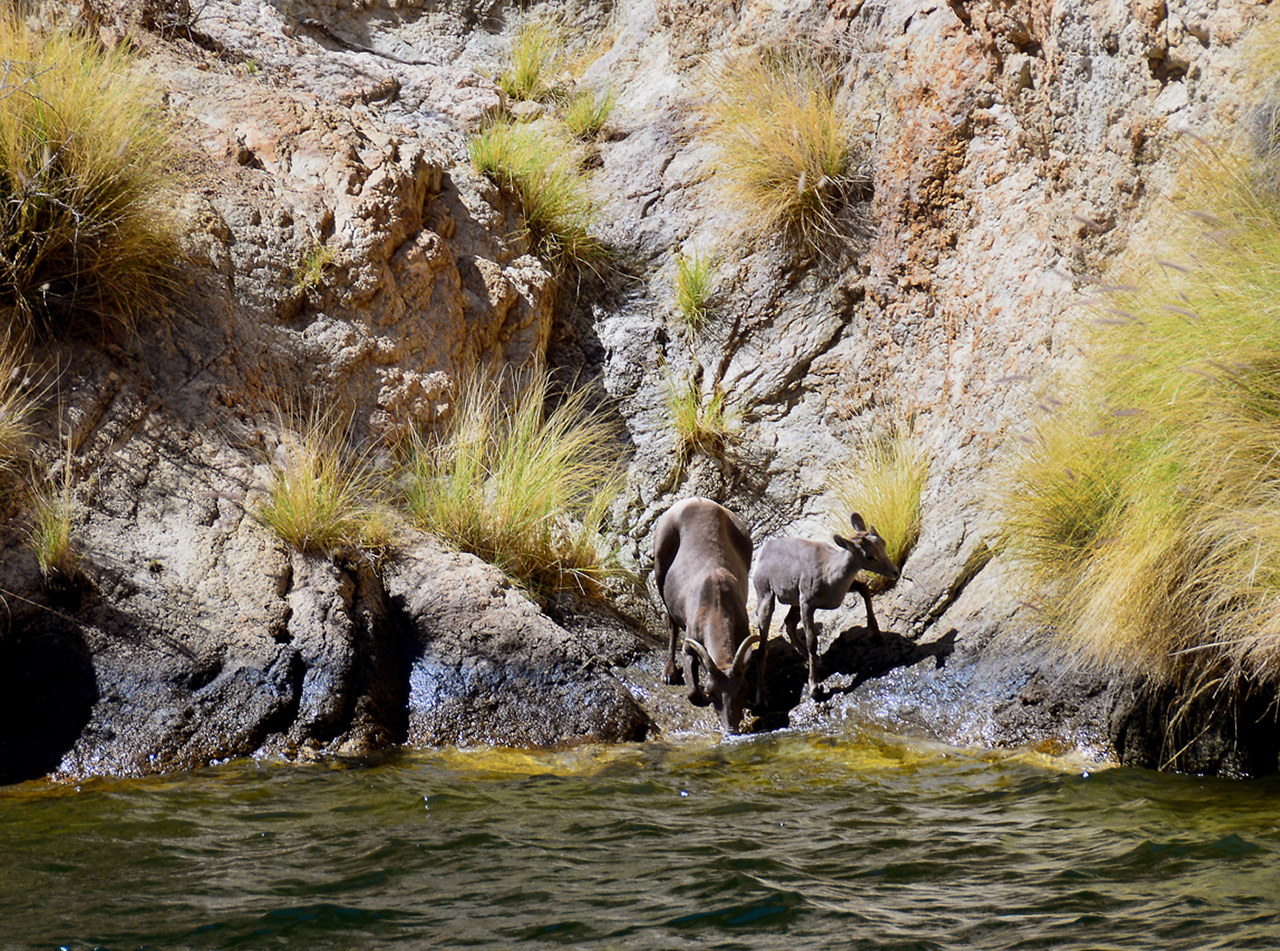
190, 634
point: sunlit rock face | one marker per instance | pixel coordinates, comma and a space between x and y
1011, 153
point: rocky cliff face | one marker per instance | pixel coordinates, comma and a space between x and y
1014, 152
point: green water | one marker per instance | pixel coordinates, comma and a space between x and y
779, 841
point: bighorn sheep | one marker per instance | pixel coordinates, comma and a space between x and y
702, 559
809, 575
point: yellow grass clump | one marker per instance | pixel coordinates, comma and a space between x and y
87, 234
323, 496
695, 281
586, 113
53, 514
706, 424
883, 482
1146, 512
521, 485
16, 407
539, 168
536, 51
787, 150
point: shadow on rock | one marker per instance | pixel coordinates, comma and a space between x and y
853, 658
866, 655
47, 693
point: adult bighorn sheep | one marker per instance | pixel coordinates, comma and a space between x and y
702, 559
809, 575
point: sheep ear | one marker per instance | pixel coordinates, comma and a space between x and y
858, 524
844, 542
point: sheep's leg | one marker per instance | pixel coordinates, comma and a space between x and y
811, 643
764, 615
764, 620
671, 673
697, 696
793, 619
872, 625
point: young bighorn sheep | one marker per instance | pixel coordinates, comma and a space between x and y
809, 575
702, 559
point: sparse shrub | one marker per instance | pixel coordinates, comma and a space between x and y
587, 112
87, 237
706, 425
883, 481
323, 495
535, 53
540, 170
522, 487
310, 270
53, 512
695, 281
788, 153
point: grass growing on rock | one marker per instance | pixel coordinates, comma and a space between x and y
695, 281
16, 407
1146, 512
323, 496
787, 150
311, 268
53, 514
705, 424
522, 486
536, 50
586, 113
87, 237
884, 482
540, 169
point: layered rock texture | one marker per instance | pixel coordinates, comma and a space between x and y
1014, 152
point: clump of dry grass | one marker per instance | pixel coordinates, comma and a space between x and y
540, 169
536, 51
323, 495
521, 486
16, 407
706, 424
310, 270
586, 113
87, 235
884, 481
53, 515
1144, 512
787, 150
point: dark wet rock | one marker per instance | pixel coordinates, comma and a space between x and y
1233, 735
486, 665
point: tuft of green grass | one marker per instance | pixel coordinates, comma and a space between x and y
587, 112
695, 281
53, 514
87, 234
522, 486
310, 269
323, 496
536, 50
787, 151
701, 424
884, 481
540, 170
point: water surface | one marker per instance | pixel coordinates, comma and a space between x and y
851, 840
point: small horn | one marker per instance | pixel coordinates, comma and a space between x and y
740, 656
691, 645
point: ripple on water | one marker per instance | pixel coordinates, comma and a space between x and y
781, 842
